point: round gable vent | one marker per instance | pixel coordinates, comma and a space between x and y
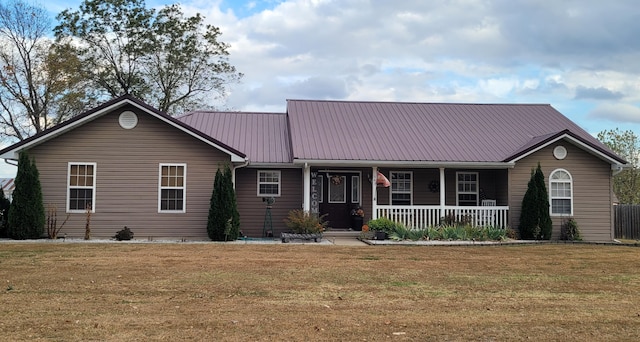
560, 152
128, 120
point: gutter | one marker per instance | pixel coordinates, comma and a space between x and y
233, 171
400, 163
617, 168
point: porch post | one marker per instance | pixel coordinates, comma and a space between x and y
374, 193
442, 192
306, 188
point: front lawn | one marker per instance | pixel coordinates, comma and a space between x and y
126, 292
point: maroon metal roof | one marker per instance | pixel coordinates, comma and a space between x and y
263, 137
392, 131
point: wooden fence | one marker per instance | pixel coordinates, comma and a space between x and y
626, 221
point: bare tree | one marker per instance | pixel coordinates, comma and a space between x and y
186, 62
169, 60
40, 83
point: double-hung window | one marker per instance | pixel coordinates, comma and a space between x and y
172, 188
81, 185
401, 186
268, 183
561, 193
467, 190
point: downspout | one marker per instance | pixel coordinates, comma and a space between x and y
233, 171
7, 161
617, 168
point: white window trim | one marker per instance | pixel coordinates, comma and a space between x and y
183, 187
93, 194
551, 198
279, 183
355, 188
391, 192
477, 192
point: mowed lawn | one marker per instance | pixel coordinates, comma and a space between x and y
223, 292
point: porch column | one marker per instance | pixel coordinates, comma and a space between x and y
374, 193
306, 188
442, 192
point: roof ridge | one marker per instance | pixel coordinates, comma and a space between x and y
228, 112
423, 103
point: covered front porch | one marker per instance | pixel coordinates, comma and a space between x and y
422, 216
418, 197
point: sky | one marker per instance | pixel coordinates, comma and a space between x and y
582, 57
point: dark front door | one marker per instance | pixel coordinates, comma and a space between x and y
341, 194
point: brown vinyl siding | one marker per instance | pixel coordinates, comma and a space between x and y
591, 189
127, 171
251, 207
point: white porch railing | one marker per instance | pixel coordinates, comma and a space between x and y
423, 216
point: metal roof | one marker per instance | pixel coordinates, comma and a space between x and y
436, 132
263, 137
366, 132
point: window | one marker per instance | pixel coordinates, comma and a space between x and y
355, 189
269, 183
82, 187
467, 191
172, 191
561, 193
337, 189
401, 188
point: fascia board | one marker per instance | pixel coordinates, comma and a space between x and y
573, 141
412, 163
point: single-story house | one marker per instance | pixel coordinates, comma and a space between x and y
135, 166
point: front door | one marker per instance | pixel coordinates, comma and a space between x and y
341, 194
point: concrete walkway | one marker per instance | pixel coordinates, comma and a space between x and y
331, 240
345, 241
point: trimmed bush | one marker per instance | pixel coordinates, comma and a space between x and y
535, 221
382, 224
223, 223
570, 231
26, 213
124, 234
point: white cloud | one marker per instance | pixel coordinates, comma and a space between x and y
573, 54
616, 112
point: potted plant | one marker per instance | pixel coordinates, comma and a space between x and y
304, 225
357, 218
382, 227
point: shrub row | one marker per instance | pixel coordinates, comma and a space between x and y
398, 231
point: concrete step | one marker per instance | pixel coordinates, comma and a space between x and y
341, 233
